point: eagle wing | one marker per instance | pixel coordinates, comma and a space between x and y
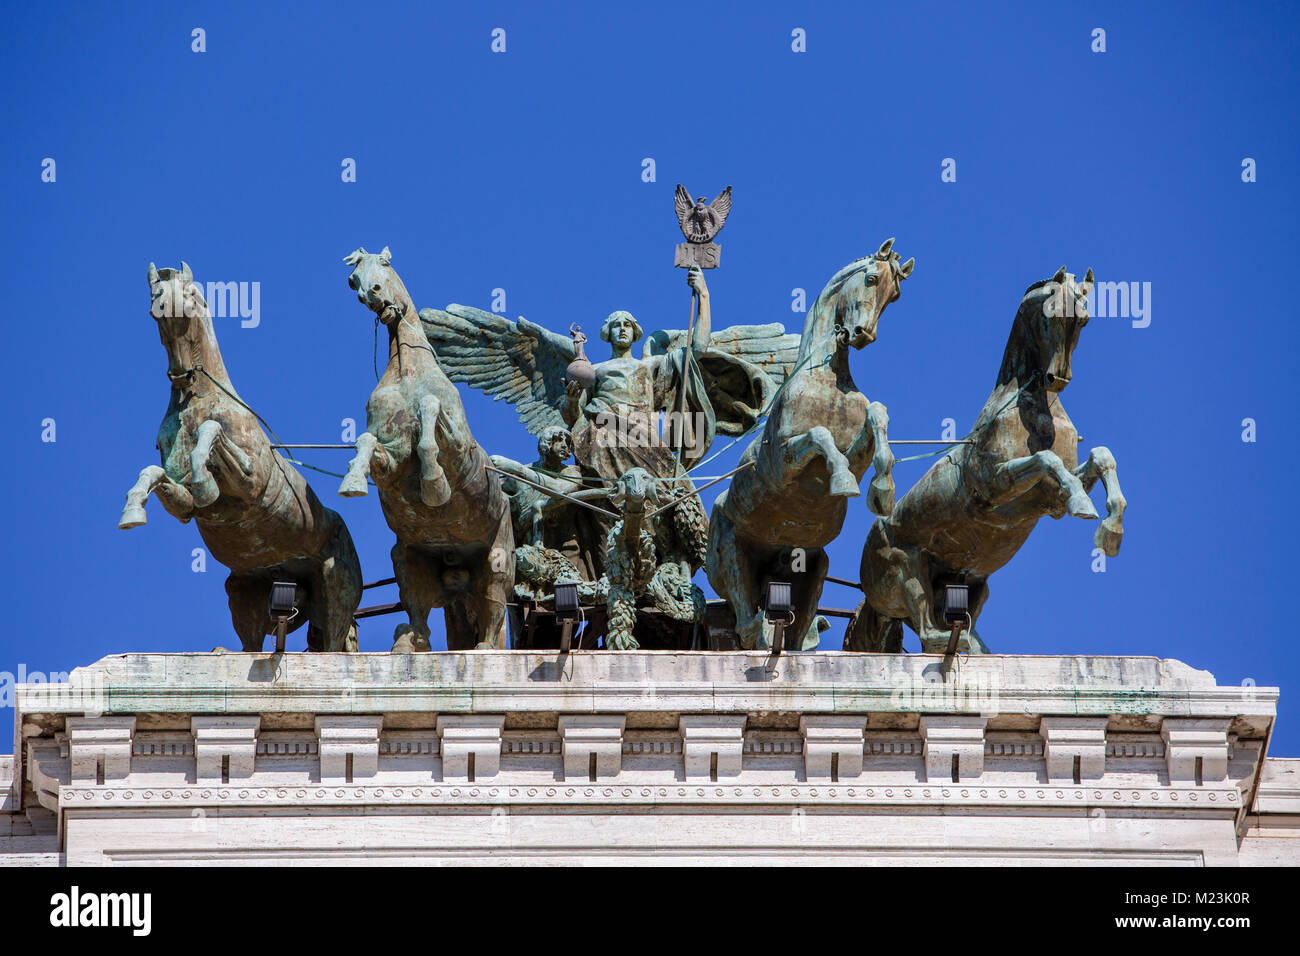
518, 361
721, 207
682, 200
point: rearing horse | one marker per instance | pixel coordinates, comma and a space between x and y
970, 513
254, 511
779, 514
455, 543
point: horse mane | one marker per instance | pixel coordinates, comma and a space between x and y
818, 328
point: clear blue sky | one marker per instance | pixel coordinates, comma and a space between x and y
522, 171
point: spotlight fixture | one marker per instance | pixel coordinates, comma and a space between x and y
778, 608
956, 612
283, 609
567, 611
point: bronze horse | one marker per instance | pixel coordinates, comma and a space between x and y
778, 515
455, 544
970, 513
254, 511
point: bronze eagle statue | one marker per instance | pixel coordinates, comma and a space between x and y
701, 221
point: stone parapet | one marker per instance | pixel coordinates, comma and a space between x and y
642, 756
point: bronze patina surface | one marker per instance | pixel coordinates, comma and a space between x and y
970, 513
455, 540
821, 436
253, 509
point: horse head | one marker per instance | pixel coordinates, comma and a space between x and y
1046, 330
850, 306
176, 304
377, 286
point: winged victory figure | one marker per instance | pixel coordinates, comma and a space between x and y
730, 380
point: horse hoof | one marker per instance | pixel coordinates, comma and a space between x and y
1081, 506
353, 487
843, 485
132, 518
204, 491
880, 501
1108, 539
435, 492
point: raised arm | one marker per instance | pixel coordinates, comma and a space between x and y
703, 321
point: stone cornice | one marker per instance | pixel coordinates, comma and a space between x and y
144, 733
598, 682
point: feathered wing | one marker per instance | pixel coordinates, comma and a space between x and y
682, 200
721, 207
743, 368
516, 361
774, 350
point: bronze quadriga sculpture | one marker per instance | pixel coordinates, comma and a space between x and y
970, 513
455, 542
821, 436
253, 509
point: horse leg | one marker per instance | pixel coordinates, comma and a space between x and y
354, 482
906, 575
419, 588
434, 488
1101, 464
815, 443
498, 570
234, 464
203, 486
1013, 478
173, 497
338, 591
248, 599
805, 594
979, 594
731, 573
213, 448
873, 440
461, 622
874, 632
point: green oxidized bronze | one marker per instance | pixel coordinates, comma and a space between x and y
821, 436
253, 509
970, 513
455, 541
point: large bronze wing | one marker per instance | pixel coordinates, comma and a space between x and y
743, 368
774, 350
516, 361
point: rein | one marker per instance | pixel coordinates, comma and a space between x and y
975, 431
198, 367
